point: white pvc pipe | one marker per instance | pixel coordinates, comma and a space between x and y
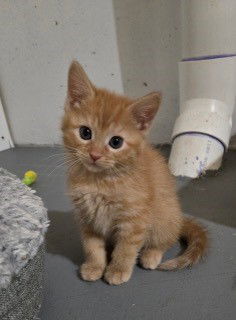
208, 27
207, 80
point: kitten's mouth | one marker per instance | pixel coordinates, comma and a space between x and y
93, 166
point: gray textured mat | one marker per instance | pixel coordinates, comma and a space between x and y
22, 299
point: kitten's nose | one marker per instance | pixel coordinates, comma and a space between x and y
95, 156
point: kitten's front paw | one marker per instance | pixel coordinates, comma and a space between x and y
91, 272
114, 275
151, 258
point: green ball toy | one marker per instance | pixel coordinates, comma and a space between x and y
29, 177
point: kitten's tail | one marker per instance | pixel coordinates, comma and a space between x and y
197, 241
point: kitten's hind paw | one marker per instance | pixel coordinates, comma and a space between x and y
91, 272
151, 258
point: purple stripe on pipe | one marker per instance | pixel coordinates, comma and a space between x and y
210, 57
194, 133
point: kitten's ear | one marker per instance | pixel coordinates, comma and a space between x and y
144, 110
79, 85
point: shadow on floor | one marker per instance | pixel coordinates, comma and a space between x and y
213, 197
63, 237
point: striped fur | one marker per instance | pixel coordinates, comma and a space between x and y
196, 238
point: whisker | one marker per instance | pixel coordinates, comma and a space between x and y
59, 166
55, 155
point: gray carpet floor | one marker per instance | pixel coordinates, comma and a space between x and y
207, 291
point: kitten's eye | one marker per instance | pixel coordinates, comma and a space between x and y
85, 133
116, 142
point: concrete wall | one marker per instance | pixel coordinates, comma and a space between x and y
38, 39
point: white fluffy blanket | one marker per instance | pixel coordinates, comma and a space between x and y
23, 223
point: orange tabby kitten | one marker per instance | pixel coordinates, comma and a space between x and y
121, 187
